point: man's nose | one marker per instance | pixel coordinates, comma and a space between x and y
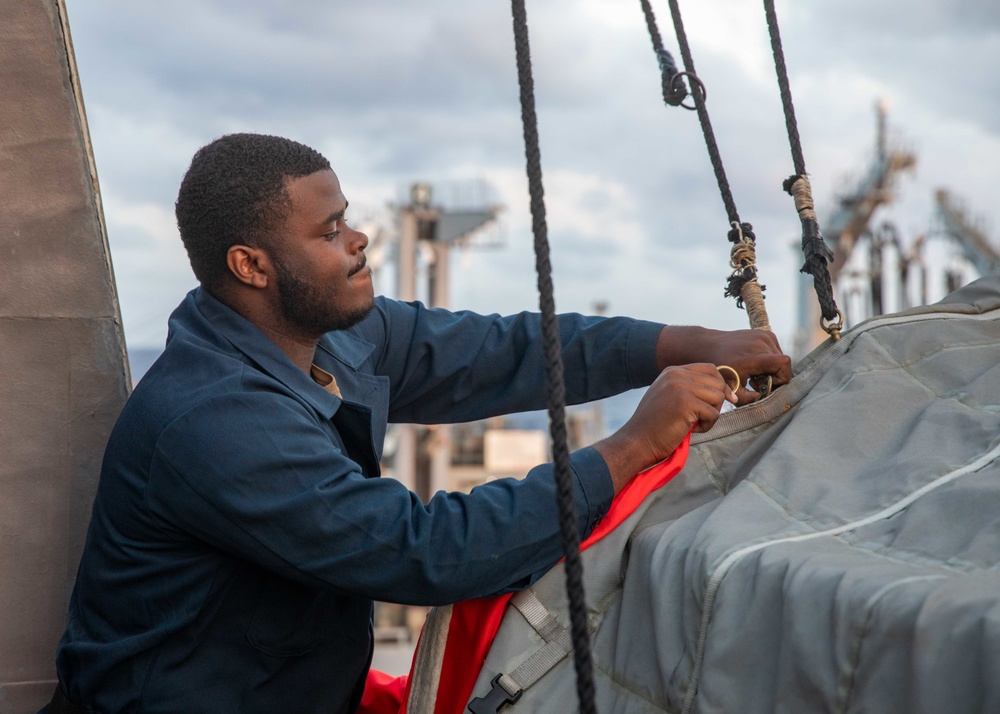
360, 241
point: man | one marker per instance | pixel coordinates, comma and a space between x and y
240, 531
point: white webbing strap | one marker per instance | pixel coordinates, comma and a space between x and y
558, 643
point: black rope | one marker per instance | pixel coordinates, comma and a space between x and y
745, 272
698, 93
817, 254
554, 372
783, 86
674, 91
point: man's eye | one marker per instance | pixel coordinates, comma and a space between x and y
331, 235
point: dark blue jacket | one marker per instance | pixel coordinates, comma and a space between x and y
240, 531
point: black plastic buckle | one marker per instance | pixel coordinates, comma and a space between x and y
495, 700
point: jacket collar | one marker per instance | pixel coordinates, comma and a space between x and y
346, 347
202, 313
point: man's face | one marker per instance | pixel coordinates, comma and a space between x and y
324, 282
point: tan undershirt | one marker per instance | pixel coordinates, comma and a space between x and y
326, 380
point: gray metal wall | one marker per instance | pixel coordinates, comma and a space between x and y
63, 374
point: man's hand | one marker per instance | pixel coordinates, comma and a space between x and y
752, 353
681, 399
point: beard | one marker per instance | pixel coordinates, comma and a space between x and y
311, 309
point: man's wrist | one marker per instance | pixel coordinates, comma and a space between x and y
681, 344
624, 456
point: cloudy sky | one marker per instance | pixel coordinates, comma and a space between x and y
392, 92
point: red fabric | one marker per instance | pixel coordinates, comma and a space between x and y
384, 694
475, 623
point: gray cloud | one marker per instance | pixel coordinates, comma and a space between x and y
394, 91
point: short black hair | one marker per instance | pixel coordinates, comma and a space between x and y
234, 193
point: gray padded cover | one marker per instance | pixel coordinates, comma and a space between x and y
833, 548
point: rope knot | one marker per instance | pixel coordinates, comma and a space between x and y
672, 81
743, 260
740, 232
817, 253
787, 184
799, 188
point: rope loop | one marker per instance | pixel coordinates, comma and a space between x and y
833, 327
741, 232
674, 92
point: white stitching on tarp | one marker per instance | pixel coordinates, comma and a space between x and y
726, 565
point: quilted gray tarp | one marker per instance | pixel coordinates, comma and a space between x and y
833, 548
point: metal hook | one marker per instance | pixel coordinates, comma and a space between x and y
833, 328
766, 390
728, 372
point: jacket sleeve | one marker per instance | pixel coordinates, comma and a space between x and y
257, 474
460, 366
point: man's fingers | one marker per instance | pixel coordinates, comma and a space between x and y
713, 387
704, 368
746, 396
707, 415
707, 392
776, 366
760, 354
779, 366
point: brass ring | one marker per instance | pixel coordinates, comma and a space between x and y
724, 370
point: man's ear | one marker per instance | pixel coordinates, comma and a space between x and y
251, 266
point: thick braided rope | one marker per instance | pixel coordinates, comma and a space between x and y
783, 87
742, 283
815, 251
554, 372
674, 92
697, 91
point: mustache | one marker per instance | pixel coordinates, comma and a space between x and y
360, 266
